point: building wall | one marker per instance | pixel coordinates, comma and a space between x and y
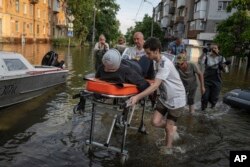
26, 22
199, 24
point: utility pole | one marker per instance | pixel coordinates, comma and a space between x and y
93, 34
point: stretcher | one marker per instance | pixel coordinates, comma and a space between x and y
98, 92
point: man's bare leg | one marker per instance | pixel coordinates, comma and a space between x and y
191, 108
158, 120
170, 131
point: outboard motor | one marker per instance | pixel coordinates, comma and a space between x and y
51, 59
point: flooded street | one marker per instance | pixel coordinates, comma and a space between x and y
46, 132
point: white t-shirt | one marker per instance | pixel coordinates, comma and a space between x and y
172, 91
98, 46
133, 53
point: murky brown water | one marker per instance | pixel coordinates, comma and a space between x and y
45, 132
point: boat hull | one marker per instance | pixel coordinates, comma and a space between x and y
238, 98
20, 89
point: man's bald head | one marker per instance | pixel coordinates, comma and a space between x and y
138, 40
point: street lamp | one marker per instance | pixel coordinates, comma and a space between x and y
152, 24
93, 34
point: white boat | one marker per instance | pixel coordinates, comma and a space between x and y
20, 81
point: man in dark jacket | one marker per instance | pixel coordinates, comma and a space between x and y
115, 70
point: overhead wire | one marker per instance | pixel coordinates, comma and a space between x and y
139, 9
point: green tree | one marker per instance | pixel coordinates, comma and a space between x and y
145, 27
106, 22
82, 11
234, 33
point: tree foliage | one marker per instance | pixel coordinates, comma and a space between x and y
239, 5
234, 33
145, 27
82, 11
106, 22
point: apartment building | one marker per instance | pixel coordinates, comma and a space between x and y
28, 21
191, 19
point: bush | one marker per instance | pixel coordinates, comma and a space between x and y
64, 42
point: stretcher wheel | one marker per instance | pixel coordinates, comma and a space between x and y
123, 159
87, 148
78, 109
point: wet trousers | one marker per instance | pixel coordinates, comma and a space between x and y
211, 94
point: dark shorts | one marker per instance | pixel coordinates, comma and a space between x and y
191, 95
172, 114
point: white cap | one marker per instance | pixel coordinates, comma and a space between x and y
112, 59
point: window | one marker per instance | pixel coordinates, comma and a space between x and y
37, 28
31, 10
14, 64
44, 30
192, 25
222, 5
49, 3
44, 1
25, 8
24, 27
200, 25
197, 25
17, 5
182, 12
16, 25
38, 13
31, 28
1, 30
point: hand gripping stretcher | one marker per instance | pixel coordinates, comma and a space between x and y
98, 92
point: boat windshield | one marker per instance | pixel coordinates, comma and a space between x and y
15, 64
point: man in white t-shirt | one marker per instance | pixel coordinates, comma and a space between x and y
138, 54
172, 92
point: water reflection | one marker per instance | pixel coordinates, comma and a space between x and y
45, 132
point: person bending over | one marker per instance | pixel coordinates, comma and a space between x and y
188, 72
113, 69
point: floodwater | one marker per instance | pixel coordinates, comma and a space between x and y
46, 132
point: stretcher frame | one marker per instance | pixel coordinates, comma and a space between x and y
127, 113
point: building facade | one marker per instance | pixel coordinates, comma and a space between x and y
29, 21
191, 19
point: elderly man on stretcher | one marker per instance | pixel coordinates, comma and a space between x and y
117, 70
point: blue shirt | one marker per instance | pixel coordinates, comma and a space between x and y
176, 49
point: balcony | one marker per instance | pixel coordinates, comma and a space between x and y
171, 10
171, 24
61, 23
206, 36
34, 1
181, 3
165, 22
199, 15
56, 6
179, 19
192, 34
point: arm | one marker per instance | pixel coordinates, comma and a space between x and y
133, 100
96, 46
201, 79
106, 47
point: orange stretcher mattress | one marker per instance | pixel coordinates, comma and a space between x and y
103, 87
